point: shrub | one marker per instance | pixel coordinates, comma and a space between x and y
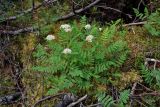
80, 56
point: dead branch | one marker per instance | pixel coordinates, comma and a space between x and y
140, 103
134, 96
133, 88
47, 98
114, 9
114, 93
78, 101
133, 24
148, 91
94, 105
140, 2
146, 88
7, 88
71, 14
155, 93
155, 61
132, 93
16, 32
151, 59
45, 2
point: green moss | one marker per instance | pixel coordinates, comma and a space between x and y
142, 45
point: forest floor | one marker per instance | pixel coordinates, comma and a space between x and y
140, 43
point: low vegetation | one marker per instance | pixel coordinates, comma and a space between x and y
77, 54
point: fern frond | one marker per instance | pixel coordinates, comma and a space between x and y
40, 52
94, 31
116, 46
106, 101
156, 74
124, 96
109, 32
122, 58
146, 74
103, 66
83, 21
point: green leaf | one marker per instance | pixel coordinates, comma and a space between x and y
124, 96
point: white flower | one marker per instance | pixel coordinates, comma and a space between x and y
50, 37
100, 29
66, 27
67, 51
68, 30
88, 26
89, 38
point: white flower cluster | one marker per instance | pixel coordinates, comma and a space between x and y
50, 37
89, 38
100, 29
88, 26
66, 27
67, 51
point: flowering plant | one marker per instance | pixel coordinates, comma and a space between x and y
88, 26
66, 27
80, 59
50, 37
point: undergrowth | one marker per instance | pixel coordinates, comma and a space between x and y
151, 77
152, 24
81, 56
108, 101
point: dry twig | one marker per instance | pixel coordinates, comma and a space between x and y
114, 9
78, 101
71, 14
28, 29
132, 93
45, 2
47, 98
94, 105
133, 24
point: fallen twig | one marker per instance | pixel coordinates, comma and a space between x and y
133, 88
151, 59
47, 98
78, 101
155, 93
45, 2
78, 11
155, 61
7, 88
132, 93
146, 88
114, 9
140, 103
133, 24
94, 105
28, 29
114, 93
